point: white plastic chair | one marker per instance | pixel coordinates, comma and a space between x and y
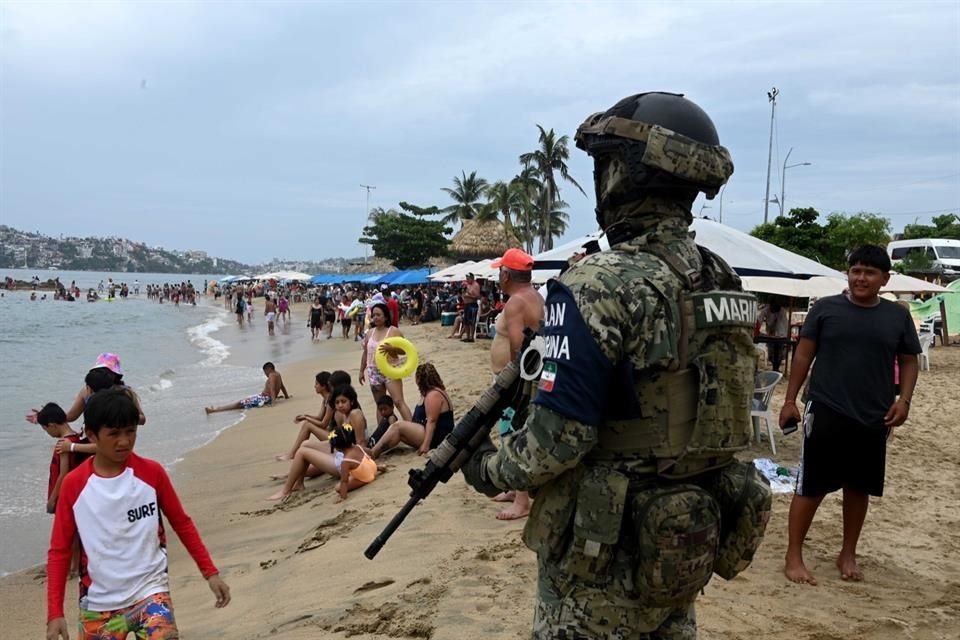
767, 381
926, 339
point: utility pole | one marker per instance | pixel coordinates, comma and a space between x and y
366, 214
772, 97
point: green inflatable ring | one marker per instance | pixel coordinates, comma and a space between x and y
404, 370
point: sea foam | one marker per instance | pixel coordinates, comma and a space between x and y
214, 350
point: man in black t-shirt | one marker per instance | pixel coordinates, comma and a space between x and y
855, 338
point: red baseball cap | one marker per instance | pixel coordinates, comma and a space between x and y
515, 259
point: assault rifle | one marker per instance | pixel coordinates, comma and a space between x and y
470, 432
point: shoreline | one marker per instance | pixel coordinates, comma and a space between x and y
454, 571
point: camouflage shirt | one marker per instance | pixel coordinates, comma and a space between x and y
598, 324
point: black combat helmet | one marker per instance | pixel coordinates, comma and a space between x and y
654, 143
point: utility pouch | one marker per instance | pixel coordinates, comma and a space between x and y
601, 498
745, 502
548, 529
677, 528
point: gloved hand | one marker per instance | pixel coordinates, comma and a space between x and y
475, 469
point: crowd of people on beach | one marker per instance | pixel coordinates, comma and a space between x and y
340, 441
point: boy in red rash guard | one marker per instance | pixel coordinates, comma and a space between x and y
113, 502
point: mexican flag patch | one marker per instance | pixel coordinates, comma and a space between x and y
548, 376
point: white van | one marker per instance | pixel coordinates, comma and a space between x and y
944, 253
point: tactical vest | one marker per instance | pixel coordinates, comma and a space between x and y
694, 414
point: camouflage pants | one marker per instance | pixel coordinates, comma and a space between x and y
583, 613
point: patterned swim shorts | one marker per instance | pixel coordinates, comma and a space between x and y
254, 401
149, 619
374, 377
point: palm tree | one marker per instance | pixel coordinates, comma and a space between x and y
377, 213
551, 156
502, 200
558, 220
466, 194
526, 185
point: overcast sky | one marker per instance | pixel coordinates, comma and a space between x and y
246, 129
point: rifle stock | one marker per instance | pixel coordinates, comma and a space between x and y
472, 429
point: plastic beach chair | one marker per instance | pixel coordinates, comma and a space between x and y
767, 381
926, 339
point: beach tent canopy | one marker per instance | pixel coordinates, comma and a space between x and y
232, 279
326, 278
458, 271
751, 256
747, 255
407, 277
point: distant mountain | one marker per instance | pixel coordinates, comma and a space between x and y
37, 251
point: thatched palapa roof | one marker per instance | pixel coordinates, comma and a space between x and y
481, 240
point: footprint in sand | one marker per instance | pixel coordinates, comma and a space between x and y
374, 584
337, 525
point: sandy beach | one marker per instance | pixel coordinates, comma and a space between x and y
453, 571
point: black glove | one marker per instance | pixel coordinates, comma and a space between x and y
475, 469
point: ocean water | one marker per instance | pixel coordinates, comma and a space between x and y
176, 358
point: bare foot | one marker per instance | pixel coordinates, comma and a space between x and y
797, 572
282, 495
283, 457
278, 476
514, 512
506, 496
848, 568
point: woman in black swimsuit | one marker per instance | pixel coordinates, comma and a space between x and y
432, 418
316, 319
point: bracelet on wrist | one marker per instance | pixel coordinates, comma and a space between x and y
72, 445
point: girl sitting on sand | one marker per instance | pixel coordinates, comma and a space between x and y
355, 466
348, 412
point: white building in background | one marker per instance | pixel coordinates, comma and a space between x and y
194, 254
84, 251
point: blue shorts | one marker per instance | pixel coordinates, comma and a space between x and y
470, 313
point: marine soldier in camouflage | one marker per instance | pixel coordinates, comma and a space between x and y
644, 397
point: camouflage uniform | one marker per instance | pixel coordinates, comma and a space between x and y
612, 330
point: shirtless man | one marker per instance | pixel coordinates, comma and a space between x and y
471, 298
524, 310
272, 390
270, 313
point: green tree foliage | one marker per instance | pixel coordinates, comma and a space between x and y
945, 226
915, 262
828, 244
407, 240
551, 156
466, 194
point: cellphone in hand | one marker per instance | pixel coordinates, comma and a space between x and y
790, 426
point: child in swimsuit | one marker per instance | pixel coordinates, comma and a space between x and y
385, 409
355, 466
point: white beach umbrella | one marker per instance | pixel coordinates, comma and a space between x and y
291, 275
900, 283
815, 287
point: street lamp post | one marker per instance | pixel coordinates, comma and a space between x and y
783, 178
366, 213
721, 202
772, 97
